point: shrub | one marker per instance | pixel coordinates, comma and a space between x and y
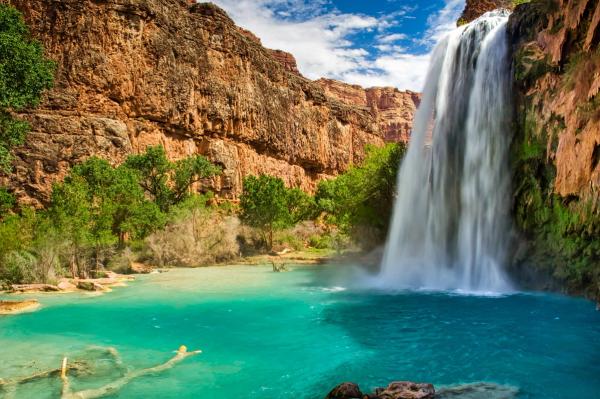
200, 236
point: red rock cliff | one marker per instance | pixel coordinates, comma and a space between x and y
476, 8
393, 110
556, 149
134, 73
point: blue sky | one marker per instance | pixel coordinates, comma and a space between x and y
366, 42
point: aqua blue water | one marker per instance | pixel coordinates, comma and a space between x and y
297, 334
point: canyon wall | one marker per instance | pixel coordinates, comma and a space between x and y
134, 73
476, 8
556, 148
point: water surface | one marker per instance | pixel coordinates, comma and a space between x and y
297, 334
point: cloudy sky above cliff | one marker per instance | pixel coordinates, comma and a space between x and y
366, 42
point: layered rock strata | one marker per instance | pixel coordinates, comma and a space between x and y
393, 110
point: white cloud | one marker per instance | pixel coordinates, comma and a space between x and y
443, 22
320, 39
394, 37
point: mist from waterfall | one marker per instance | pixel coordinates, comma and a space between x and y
451, 222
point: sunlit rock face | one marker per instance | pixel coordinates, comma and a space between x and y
392, 109
476, 8
136, 73
557, 69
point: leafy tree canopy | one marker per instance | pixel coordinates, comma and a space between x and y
363, 197
168, 183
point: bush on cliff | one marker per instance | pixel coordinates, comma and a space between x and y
24, 74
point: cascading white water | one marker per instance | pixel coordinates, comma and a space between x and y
450, 225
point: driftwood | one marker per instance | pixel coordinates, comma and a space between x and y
10, 386
117, 385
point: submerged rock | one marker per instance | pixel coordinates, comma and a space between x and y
479, 390
396, 390
15, 307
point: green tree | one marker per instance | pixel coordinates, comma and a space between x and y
363, 197
169, 183
24, 75
264, 205
300, 206
98, 206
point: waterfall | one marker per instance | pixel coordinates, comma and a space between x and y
451, 222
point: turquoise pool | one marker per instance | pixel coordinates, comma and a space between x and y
297, 334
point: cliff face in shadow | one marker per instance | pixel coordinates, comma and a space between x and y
134, 73
556, 149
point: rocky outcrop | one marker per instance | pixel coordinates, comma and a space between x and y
16, 307
476, 8
134, 73
556, 150
396, 390
392, 109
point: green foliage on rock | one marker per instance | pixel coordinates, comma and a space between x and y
7, 202
360, 201
24, 74
562, 233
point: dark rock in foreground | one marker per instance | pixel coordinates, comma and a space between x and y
396, 390
346, 390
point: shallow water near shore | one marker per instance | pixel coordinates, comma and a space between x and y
298, 334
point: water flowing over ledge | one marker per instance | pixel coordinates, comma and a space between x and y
451, 222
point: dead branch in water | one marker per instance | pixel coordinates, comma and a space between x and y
117, 385
10, 386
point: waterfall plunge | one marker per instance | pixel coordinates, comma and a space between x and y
450, 225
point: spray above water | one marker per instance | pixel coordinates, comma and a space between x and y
451, 223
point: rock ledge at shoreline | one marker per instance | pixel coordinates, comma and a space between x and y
395, 390
16, 307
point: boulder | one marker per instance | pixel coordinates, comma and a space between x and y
396, 390
89, 285
346, 390
66, 285
140, 268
